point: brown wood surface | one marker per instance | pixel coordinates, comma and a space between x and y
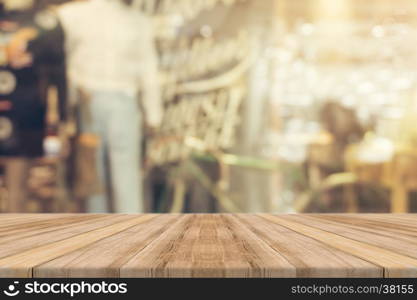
217, 245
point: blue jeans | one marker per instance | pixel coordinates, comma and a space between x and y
115, 118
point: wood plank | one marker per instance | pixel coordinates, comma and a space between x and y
21, 264
11, 245
406, 222
311, 257
394, 264
384, 226
17, 231
216, 245
405, 244
208, 246
7, 220
105, 257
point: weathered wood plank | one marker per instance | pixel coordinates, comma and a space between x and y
11, 245
18, 231
208, 246
105, 257
311, 257
394, 264
405, 224
7, 220
21, 264
211, 245
398, 242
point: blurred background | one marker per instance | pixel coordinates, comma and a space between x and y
274, 106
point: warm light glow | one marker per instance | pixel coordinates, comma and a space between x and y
334, 10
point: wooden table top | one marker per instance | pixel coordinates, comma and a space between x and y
262, 245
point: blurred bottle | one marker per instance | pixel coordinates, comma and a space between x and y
52, 143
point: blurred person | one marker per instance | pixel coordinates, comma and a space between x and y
113, 64
32, 64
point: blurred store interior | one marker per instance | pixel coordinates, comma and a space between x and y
279, 106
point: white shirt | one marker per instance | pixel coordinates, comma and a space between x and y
110, 47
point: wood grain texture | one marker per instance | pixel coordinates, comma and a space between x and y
310, 257
208, 246
22, 264
394, 264
216, 245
